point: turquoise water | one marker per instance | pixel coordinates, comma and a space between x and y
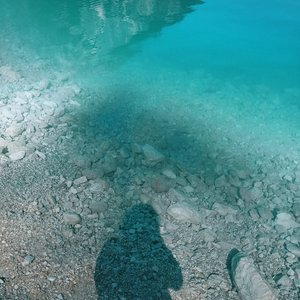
250, 40
214, 86
195, 78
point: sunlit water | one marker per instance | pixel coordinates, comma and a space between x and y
194, 79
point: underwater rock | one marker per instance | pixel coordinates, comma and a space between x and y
17, 155
296, 209
293, 248
221, 182
185, 212
223, 209
286, 220
246, 278
152, 156
98, 186
71, 218
14, 130
80, 180
109, 166
97, 206
161, 184
28, 260
169, 174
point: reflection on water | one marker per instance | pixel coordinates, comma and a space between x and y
88, 29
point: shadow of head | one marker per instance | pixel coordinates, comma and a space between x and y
136, 264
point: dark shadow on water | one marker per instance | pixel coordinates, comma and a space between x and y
136, 264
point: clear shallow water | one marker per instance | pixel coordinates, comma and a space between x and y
220, 74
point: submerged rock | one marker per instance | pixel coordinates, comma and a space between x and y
17, 155
152, 156
161, 184
185, 212
286, 220
71, 218
246, 278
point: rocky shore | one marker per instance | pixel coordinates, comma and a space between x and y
66, 184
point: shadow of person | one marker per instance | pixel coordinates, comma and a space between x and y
136, 264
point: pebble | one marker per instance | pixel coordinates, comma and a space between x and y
28, 260
209, 235
17, 155
109, 166
161, 185
80, 180
223, 209
185, 212
264, 212
169, 174
98, 186
14, 130
152, 156
51, 278
73, 190
284, 281
293, 248
286, 220
220, 182
71, 218
245, 194
296, 209
97, 206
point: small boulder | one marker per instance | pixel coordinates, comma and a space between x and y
186, 212
152, 156
286, 220
71, 218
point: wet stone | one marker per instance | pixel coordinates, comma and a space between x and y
97, 206
161, 185
293, 248
71, 218
286, 220
152, 156
27, 260
17, 155
80, 180
185, 212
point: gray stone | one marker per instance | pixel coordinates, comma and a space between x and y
14, 130
223, 209
161, 184
169, 174
221, 181
71, 218
109, 166
152, 156
245, 194
80, 180
176, 196
293, 248
285, 281
247, 279
296, 209
17, 155
27, 260
209, 235
186, 212
264, 212
98, 206
286, 220
98, 186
